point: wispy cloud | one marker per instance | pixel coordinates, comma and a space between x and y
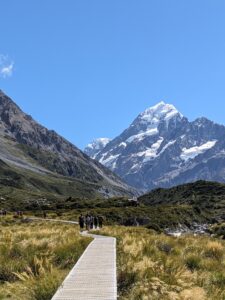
6, 66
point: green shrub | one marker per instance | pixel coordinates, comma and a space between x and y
193, 262
164, 247
126, 280
218, 279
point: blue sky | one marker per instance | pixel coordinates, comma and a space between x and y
87, 68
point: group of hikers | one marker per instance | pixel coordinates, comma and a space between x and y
3, 212
17, 214
90, 222
87, 222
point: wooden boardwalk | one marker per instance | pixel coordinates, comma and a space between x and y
94, 275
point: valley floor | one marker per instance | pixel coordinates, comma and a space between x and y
35, 257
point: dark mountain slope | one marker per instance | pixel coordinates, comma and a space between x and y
27, 145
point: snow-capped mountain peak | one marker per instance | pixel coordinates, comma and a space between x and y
162, 148
154, 121
93, 148
160, 111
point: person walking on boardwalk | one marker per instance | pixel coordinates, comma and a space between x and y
3, 212
91, 222
81, 222
96, 222
87, 221
100, 221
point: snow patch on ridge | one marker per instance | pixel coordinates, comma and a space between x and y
151, 152
142, 135
122, 145
192, 152
110, 161
167, 146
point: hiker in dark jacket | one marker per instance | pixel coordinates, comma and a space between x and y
100, 221
96, 222
87, 221
3, 212
81, 222
91, 222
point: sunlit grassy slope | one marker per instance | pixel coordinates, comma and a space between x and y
36, 257
155, 266
21, 188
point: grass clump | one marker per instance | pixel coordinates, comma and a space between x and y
214, 249
193, 262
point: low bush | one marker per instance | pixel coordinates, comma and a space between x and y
193, 262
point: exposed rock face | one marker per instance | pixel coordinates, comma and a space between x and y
44, 150
161, 148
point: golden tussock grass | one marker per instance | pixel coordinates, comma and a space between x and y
155, 266
35, 257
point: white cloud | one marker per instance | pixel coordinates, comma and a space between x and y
6, 66
7, 71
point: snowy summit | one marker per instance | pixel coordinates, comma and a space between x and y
147, 123
160, 111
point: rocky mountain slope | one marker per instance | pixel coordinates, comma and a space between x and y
31, 148
161, 148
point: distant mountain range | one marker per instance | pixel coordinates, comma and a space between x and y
161, 148
35, 159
